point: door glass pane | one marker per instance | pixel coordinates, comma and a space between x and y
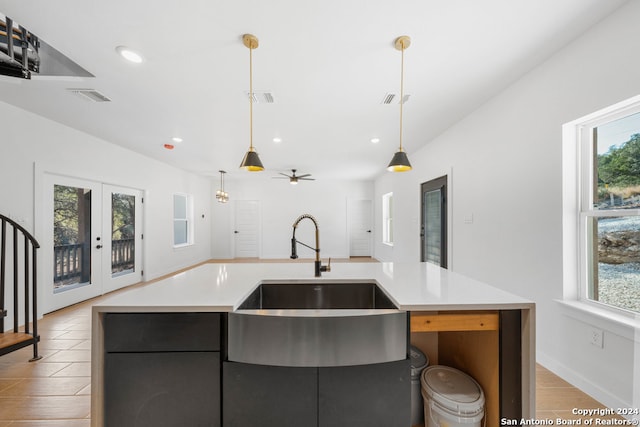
123, 228
433, 226
615, 274
71, 237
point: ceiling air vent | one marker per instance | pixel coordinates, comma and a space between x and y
261, 97
90, 94
388, 98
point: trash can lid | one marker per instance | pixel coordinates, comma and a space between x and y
418, 359
452, 389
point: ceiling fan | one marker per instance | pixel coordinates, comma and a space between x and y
293, 178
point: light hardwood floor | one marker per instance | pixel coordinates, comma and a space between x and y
55, 391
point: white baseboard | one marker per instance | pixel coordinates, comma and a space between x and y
577, 380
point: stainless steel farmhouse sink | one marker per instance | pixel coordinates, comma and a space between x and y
317, 323
329, 296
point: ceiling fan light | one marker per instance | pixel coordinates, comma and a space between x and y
399, 162
251, 162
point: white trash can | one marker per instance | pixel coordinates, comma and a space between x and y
451, 398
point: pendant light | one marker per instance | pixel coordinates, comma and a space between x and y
221, 195
400, 161
251, 161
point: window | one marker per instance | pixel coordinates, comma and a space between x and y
182, 220
608, 205
387, 219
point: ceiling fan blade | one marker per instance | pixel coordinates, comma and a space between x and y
284, 174
305, 175
307, 179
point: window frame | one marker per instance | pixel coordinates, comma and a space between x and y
387, 218
578, 195
188, 219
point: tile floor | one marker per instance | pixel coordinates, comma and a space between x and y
55, 391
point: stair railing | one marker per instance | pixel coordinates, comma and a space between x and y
30, 277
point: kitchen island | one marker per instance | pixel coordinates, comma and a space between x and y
455, 320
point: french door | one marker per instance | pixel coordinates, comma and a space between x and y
94, 234
122, 237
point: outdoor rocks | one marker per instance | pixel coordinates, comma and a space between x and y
619, 247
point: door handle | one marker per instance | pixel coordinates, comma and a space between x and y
368, 231
98, 246
236, 231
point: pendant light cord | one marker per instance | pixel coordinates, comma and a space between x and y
251, 98
401, 91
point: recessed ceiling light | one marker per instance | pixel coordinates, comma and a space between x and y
129, 54
375, 140
176, 139
277, 140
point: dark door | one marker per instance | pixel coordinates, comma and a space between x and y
433, 231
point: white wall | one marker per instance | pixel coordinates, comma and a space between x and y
506, 166
280, 205
31, 145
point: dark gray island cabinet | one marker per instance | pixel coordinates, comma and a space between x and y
277, 396
162, 369
171, 369
167, 369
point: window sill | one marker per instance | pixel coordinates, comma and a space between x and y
388, 244
622, 324
185, 245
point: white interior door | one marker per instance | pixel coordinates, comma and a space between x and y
122, 237
247, 229
72, 261
360, 231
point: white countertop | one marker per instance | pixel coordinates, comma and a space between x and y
217, 287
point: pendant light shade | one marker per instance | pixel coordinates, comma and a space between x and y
400, 161
251, 162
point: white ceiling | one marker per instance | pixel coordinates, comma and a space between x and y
328, 64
